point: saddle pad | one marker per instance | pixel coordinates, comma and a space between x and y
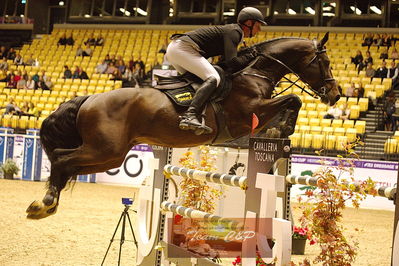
181, 96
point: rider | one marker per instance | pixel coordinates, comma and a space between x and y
188, 52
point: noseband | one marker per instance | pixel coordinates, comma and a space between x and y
322, 93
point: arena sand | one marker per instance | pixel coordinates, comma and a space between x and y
80, 232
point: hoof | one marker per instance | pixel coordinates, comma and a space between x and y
39, 210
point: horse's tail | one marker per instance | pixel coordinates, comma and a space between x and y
59, 129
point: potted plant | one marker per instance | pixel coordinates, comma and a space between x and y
299, 236
9, 169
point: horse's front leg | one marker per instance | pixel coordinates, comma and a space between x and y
280, 115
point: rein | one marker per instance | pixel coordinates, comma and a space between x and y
315, 94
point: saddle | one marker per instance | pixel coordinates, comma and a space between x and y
181, 89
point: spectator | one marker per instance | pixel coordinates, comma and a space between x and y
11, 107
44, 75
62, 40
111, 68
333, 112
358, 58
87, 51
377, 41
384, 54
368, 40
18, 59
359, 92
121, 66
35, 77
389, 110
3, 52
382, 71
142, 65
12, 84
83, 74
100, 40
394, 54
138, 73
345, 112
75, 74
4, 64
102, 67
392, 71
127, 78
70, 40
25, 108
131, 63
395, 116
30, 84
11, 54
21, 84
48, 83
116, 75
29, 61
367, 59
350, 91
113, 59
370, 71
386, 40
67, 72
33, 111
40, 85
17, 76
107, 59
91, 40
79, 51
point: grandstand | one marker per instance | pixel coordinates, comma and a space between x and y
313, 131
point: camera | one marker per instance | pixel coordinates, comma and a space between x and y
127, 201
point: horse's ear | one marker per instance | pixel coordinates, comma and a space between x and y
324, 40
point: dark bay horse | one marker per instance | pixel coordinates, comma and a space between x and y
94, 133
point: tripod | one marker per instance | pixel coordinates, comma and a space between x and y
124, 214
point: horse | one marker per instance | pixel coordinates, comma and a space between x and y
91, 134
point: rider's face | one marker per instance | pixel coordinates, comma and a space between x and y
255, 29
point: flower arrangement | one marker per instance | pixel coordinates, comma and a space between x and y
301, 233
9, 168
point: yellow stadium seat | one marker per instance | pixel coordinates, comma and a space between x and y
321, 107
328, 130
360, 126
351, 101
348, 124
339, 131
363, 104
336, 123
316, 129
366, 80
295, 140
304, 129
23, 122
351, 134
355, 112
306, 141
396, 135
313, 114
314, 122
6, 121
317, 141
325, 122
303, 121
341, 142
330, 142
391, 146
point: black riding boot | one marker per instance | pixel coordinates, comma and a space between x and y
190, 118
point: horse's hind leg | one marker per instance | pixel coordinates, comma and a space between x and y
71, 162
57, 181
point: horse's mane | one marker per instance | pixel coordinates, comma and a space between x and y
264, 44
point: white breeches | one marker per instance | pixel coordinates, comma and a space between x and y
184, 56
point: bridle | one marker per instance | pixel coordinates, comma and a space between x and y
322, 93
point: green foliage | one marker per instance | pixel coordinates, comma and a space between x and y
9, 167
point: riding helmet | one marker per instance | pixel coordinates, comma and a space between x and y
250, 13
